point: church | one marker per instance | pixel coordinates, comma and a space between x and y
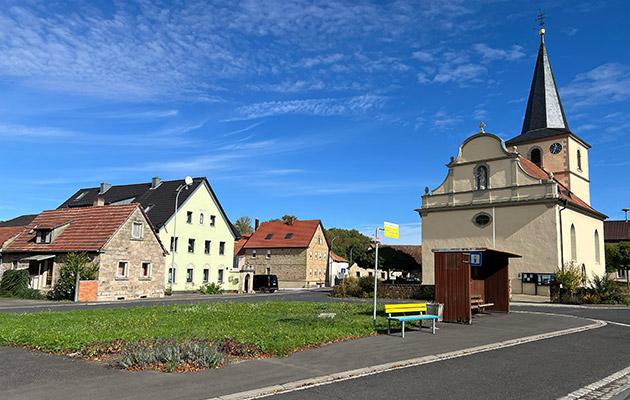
529, 195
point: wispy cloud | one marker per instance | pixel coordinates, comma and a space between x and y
357, 105
489, 54
608, 83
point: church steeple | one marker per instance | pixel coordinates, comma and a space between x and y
544, 116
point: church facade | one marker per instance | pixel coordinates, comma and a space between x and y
529, 195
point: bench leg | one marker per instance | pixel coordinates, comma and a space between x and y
389, 323
403, 329
420, 324
433, 327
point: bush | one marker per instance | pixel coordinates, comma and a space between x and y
570, 277
211, 288
349, 288
606, 290
75, 263
15, 284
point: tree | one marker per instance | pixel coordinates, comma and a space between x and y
285, 218
343, 240
391, 259
244, 225
75, 263
618, 257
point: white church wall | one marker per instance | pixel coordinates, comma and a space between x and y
585, 247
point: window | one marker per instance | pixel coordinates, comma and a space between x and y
221, 248
311, 255
172, 275
122, 269
269, 236
220, 276
43, 236
173, 244
481, 177
316, 254
191, 245
310, 272
621, 274
579, 160
189, 275
268, 253
370, 274
268, 270
145, 270
597, 249
324, 254
382, 275
573, 244
136, 230
253, 253
201, 218
289, 235
206, 247
358, 274
81, 195
213, 219
535, 157
482, 219
206, 275
189, 217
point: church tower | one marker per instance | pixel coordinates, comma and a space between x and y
546, 139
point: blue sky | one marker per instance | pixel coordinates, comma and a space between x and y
337, 110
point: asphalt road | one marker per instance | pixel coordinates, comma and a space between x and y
546, 369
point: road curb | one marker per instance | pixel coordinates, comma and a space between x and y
376, 369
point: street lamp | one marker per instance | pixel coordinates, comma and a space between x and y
331, 279
376, 241
187, 182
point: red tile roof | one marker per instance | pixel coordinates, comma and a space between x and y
337, 258
88, 229
8, 232
616, 231
302, 231
238, 246
564, 193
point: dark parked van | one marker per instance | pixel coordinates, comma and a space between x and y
265, 283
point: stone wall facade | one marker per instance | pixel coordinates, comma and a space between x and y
289, 264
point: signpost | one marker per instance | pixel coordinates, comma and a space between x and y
391, 230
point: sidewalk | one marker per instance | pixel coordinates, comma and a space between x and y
28, 375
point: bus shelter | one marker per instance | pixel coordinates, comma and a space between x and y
468, 279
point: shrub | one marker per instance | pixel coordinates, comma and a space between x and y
349, 288
607, 290
75, 263
15, 284
211, 288
367, 284
570, 277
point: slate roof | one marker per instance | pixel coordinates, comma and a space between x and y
302, 233
22, 220
161, 200
87, 229
544, 116
616, 231
537, 172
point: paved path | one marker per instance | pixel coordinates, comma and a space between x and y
28, 375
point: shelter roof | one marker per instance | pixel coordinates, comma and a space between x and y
616, 231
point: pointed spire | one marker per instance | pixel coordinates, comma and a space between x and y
544, 115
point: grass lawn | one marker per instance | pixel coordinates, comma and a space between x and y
278, 328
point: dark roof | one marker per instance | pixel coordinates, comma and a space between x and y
87, 229
303, 232
22, 220
544, 116
161, 200
616, 231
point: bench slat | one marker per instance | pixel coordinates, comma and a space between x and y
402, 308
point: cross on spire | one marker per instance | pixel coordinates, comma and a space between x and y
541, 18
481, 125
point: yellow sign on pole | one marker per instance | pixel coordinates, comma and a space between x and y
391, 230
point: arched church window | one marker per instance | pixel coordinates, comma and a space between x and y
573, 244
579, 160
597, 249
535, 157
481, 177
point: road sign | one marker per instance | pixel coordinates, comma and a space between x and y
391, 230
378, 239
343, 270
475, 259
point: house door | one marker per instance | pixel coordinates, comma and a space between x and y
246, 285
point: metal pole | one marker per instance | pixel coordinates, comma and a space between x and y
179, 190
375, 276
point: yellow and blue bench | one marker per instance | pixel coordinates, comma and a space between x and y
408, 312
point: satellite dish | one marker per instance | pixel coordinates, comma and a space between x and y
188, 180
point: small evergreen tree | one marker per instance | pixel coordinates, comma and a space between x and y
75, 263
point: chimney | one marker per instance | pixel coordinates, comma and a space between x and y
98, 202
256, 224
291, 221
104, 187
155, 182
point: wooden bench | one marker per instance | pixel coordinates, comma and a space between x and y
408, 312
477, 303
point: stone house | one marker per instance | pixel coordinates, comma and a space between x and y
9, 230
529, 195
204, 246
295, 251
120, 238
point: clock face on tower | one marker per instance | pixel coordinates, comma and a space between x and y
555, 148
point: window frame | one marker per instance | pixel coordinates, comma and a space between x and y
189, 217
213, 220
190, 275
125, 269
191, 245
148, 270
206, 275
220, 275
202, 217
221, 248
174, 243
268, 256
253, 253
172, 274
135, 224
